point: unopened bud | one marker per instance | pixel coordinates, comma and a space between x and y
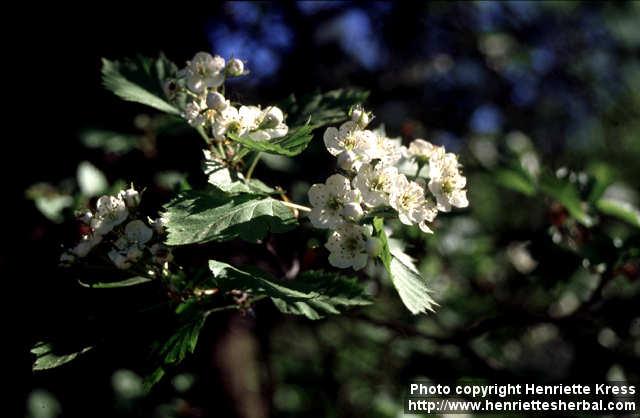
352, 211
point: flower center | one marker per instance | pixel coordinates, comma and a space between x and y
350, 142
352, 244
233, 127
334, 203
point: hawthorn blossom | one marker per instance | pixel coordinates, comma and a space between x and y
131, 197
86, 244
350, 139
408, 198
217, 101
204, 71
347, 245
137, 232
329, 200
388, 151
375, 183
111, 212
235, 67
271, 125
447, 183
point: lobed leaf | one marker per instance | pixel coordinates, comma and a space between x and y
289, 145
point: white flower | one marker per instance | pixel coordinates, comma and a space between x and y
271, 125
137, 232
236, 121
193, 113
348, 246
347, 160
111, 212
352, 211
235, 67
375, 183
387, 150
407, 197
119, 260
131, 197
423, 150
328, 201
204, 71
350, 138
217, 101
360, 117
447, 183
84, 247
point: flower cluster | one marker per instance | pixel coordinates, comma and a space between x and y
115, 225
202, 82
376, 178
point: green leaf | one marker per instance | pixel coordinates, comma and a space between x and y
323, 109
198, 217
109, 141
184, 341
404, 275
517, 180
312, 293
566, 193
91, 181
139, 81
132, 281
47, 359
53, 206
289, 145
618, 209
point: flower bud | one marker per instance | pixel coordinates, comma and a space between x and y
359, 116
352, 211
131, 197
273, 117
86, 217
346, 160
235, 67
216, 101
374, 246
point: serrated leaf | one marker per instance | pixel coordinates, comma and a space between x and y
47, 359
289, 145
404, 275
183, 342
618, 209
199, 217
312, 293
566, 193
132, 281
139, 81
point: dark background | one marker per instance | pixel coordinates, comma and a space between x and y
565, 74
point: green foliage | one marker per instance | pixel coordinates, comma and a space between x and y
47, 358
289, 145
198, 217
132, 281
516, 179
323, 109
311, 294
620, 210
566, 193
229, 181
139, 80
404, 275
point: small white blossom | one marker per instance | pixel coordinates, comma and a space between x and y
388, 151
375, 183
111, 212
271, 125
374, 246
328, 201
137, 232
194, 113
347, 160
352, 211
407, 197
421, 149
131, 197
84, 247
348, 246
447, 183
236, 121
235, 67
217, 101
204, 71
360, 117
86, 217
350, 138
